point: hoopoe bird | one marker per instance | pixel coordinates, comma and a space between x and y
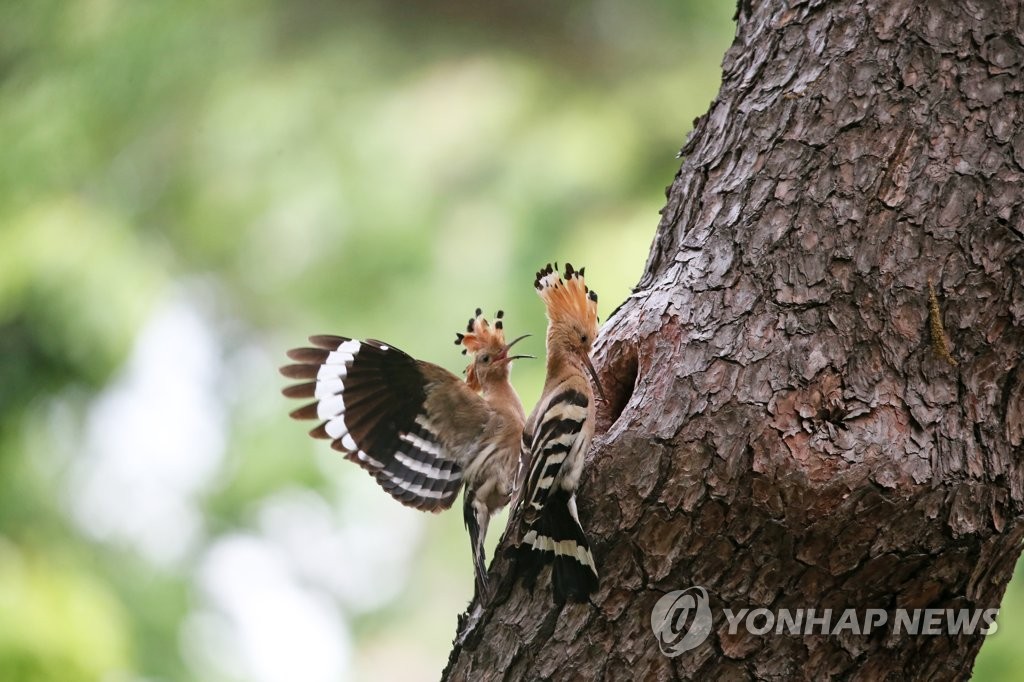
556, 439
418, 429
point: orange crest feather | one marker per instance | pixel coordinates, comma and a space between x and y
480, 335
567, 299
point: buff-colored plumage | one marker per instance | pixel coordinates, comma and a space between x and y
491, 477
556, 438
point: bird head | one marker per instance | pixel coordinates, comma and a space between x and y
486, 343
572, 313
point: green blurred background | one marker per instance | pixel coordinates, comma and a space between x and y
186, 190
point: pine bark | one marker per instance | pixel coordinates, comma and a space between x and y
783, 428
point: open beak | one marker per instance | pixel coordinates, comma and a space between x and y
505, 357
593, 375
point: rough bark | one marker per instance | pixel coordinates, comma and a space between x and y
782, 429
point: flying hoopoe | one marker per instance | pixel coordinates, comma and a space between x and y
417, 428
556, 439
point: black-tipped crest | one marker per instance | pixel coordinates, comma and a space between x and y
542, 273
480, 333
566, 296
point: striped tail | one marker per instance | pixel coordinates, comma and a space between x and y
556, 537
477, 516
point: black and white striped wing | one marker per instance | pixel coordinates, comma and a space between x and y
555, 448
369, 398
553, 534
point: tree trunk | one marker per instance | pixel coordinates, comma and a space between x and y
783, 428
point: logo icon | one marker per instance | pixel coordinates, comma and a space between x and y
681, 620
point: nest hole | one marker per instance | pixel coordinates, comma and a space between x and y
619, 377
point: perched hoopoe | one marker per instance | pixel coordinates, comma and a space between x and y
556, 439
491, 477
416, 427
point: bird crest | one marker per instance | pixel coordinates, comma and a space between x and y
481, 334
566, 297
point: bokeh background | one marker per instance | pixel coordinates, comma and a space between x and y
186, 190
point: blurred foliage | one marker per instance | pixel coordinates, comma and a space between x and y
190, 188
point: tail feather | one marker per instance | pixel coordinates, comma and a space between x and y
557, 538
476, 516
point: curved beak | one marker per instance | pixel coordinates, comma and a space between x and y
593, 376
505, 357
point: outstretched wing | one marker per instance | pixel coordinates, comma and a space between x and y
371, 400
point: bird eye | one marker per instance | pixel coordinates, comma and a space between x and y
583, 339
485, 358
